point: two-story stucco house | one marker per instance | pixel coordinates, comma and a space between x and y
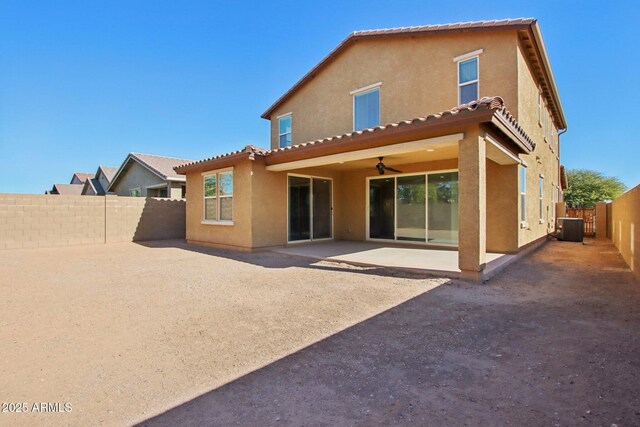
443, 135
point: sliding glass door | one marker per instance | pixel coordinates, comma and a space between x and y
310, 208
443, 208
415, 207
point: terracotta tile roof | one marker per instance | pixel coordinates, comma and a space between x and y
250, 150
447, 27
424, 29
494, 103
487, 103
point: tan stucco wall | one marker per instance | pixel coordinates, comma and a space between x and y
418, 78
136, 176
625, 227
502, 207
32, 221
237, 235
270, 195
544, 159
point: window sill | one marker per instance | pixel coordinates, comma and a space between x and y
205, 222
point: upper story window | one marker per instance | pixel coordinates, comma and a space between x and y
284, 130
468, 76
218, 196
366, 107
539, 108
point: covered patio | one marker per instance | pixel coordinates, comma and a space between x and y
448, 185
419, 259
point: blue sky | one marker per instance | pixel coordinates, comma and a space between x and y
84, 83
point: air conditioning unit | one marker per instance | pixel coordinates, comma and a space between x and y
570, 229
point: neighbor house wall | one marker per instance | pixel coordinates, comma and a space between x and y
103, 181
418, 75
625, 227
136, 176
32, 221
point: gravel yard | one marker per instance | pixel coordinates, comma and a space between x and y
126, 331
176, 335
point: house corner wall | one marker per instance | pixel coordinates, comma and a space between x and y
234, 236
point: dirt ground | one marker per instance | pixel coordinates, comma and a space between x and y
171, 335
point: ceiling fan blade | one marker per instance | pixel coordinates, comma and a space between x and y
392, 169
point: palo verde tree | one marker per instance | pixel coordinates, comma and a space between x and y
587, 187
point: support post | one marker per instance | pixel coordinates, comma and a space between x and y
472, 210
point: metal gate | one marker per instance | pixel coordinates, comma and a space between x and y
589, 217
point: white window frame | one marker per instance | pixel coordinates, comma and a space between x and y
523, 196
361, 91
285, 133
218, 197
463, 58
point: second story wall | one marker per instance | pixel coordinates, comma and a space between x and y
543, 164
418, 77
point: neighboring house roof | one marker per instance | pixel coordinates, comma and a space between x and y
161, 166
108, 171
487, 110
95, 185
82, 177
529, 24
67, 189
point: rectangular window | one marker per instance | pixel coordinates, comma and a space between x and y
218, 196
284, 131
523, 194
366, 109
541, 200
539, 108
468, 80
136, 192
553, 204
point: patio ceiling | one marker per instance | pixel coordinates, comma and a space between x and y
444, 147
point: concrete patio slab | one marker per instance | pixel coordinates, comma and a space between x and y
420, 259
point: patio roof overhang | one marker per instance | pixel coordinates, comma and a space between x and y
434, 131
441, 130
